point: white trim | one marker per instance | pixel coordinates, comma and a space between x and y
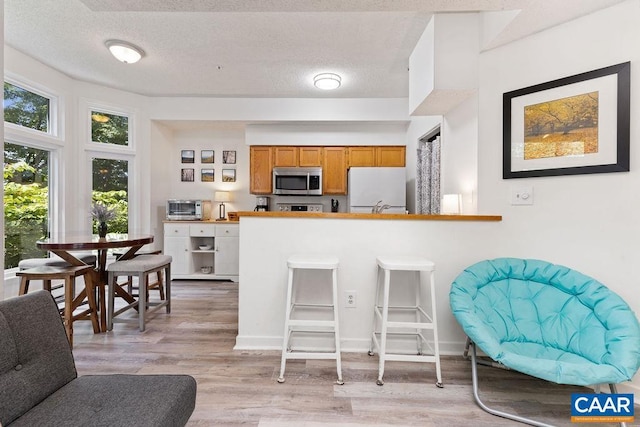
87, 106
56, 109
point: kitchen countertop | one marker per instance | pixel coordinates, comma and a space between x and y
344, 215
206, 221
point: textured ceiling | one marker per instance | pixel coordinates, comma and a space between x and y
250, 48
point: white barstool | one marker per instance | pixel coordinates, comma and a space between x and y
311, 262
384, 327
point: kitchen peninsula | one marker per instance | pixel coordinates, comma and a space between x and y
267, 239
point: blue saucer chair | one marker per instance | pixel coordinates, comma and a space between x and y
547, 321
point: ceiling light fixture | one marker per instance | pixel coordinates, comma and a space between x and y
124, 51
327, 81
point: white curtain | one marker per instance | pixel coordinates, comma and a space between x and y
428, 176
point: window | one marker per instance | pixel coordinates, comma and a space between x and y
26, 202
109, 128
111, 188
26, 108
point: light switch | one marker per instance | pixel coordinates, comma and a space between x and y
522, 196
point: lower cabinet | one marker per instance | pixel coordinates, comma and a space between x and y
202, 250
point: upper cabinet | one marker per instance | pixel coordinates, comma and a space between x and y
261, 163
391, 156
362, 156
309, 156
380, 156
334, 170
335, 161
285, 156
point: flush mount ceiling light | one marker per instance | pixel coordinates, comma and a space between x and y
124, 51
327, 81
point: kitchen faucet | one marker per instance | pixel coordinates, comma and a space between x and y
379, 207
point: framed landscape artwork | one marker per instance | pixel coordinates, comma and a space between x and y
206, 175
228, 175
207, 156
574, 125
188, 156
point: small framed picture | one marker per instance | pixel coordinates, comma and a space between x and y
188, 156
228, 175
187, 175
206, 175
229, 157
206, 156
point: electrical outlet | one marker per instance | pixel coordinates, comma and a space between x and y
350, 299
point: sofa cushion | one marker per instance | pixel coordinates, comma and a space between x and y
117, 400
35, 356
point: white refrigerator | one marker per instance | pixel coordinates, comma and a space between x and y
384, 186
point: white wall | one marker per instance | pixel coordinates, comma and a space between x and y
588, 222
336, 134
460, 154
217, 139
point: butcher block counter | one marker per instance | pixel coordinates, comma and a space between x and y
342, 215
267, 239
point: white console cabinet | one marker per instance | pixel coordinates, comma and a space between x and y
198, 245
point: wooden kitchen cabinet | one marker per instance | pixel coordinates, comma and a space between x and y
362, 156
377, 156
309, 156
261, 164
391, 156
334, 170
284, 156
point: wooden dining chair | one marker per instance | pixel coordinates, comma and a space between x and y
71, 301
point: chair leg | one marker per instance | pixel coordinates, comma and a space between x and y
474, 378
68, 308
112, 298
91, 298
160, 285
286, 334
24, 286
167, 284
142, 299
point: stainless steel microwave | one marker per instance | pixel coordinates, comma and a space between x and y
297, 181
188, 210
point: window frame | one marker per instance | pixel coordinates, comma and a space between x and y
129, 149
52, 141
56, 110
110, 151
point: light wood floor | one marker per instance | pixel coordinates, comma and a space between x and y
240, 388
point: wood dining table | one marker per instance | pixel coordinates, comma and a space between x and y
63, 245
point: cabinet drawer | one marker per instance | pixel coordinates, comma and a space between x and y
227, 230
176, 230
206, 230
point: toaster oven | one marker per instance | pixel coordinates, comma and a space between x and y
188, 210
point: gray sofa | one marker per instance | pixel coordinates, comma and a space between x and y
39, 385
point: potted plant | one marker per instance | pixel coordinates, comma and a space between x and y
102, 213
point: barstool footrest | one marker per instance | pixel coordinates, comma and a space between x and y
319, 323
310, 355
